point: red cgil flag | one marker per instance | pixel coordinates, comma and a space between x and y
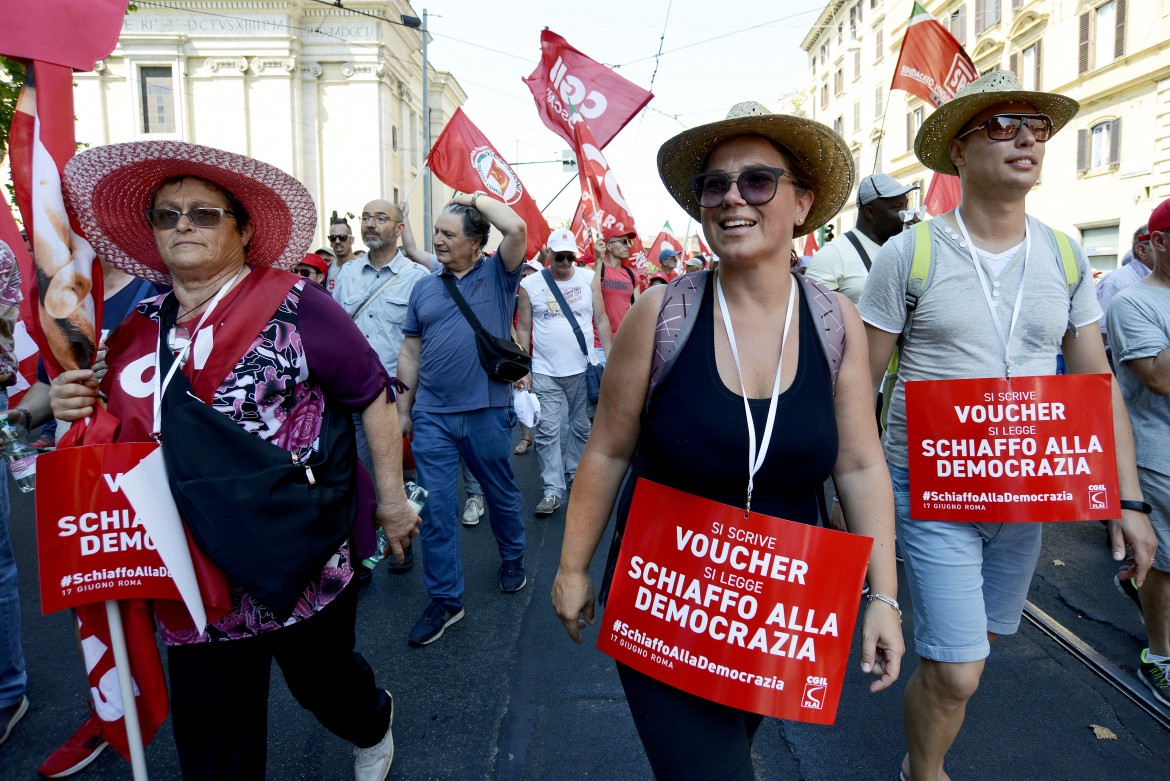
943, 194
932, 64
466, 161
566, 78
604, 205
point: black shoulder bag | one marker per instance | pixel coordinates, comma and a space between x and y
592, 370
503, 359
267, 517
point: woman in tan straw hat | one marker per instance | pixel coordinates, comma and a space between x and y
755, 181
268, 357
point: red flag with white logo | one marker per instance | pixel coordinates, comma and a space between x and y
566, 78
664, 239
605, 206
466, 161
931, 64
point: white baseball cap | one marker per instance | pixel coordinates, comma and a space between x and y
562, 240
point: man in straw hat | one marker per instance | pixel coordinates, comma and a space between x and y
276, 360
969, 581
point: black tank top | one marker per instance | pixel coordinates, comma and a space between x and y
696, 438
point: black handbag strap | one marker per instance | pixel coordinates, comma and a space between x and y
572, 318
856, 242
457, 297
633, 279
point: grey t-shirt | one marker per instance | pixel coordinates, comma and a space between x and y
952, 335
1139, 327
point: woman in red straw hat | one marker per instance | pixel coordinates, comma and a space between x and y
272, 354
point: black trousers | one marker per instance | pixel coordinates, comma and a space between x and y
219, 692
686, 737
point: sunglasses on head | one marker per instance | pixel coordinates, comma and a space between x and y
340, 237
200, 217
756, 185
1005, 127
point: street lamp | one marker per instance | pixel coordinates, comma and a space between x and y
415, 23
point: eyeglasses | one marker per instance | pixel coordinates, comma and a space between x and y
340, 237
307, 272
756, 185
200, 217
381, 219
565, 257
1005, 127
620, 240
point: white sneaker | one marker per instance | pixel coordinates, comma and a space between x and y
473, 510
373, 763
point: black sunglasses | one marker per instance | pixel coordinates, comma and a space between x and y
1005, 127
307, 272
756, 185
200, 217
565, 257
340, 237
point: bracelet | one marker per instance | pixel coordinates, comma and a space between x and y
869, 599
474, 198
28, 417
1141, 507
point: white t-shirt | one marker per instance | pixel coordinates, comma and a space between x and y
838, 266
555, 350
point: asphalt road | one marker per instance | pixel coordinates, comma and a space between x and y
504, 694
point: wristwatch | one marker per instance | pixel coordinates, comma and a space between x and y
1141, 507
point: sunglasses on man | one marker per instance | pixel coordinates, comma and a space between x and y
1005, 127
340, 237
756, 185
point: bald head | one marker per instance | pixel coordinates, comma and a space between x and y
381, 227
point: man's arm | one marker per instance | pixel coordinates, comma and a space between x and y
1085, 354
1153, 372
408, 376
881, 347
394, 514
601, 320
410, 247
514, 246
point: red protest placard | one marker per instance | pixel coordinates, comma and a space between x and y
91, 543
753, 613
1028, 449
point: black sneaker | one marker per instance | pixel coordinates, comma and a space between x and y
1153, 675
10, 714
438, 616
512, 577
394, 568
1129, 588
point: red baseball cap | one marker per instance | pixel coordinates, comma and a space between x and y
617, 232
1159, 220
316, 261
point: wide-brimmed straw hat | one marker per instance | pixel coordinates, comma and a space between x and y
932, 145
823, 153
110, 187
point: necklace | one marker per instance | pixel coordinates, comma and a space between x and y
181, 315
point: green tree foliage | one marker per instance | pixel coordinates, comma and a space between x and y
11, 80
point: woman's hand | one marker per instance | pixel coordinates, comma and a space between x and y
73, 394
572, 598
882, 645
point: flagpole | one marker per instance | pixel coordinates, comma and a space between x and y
126, 685
558, 195
425, 169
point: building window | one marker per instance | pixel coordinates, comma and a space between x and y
840, 33
824, 54
913, 122
853, 23
857, 117
986, 15
158, 99
857, 167
396, 195
879, 44
839, 81
394, 137
958, 24
877, 102
1101, 35
839, 126
1099, 147
1101, 246
857, 65
1026, 65
825, 95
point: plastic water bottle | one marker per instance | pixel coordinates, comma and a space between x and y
416, 495
22, 457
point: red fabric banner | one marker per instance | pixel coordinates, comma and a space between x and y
604, 205
1028, 449
931, 63
466, 161
72, 33
943, 194
566, 78
754, 613
664, 239
810, 244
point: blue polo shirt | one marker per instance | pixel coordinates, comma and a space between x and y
450, 377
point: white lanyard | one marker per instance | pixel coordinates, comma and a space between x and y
756, 457
1007, 340
160, 384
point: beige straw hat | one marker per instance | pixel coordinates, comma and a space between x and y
823, 152
933, 143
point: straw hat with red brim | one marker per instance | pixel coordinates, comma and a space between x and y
109, 189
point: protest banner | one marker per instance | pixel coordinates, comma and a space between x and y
931, 63
1028, 449
752, 612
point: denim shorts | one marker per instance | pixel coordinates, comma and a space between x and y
1156, 490
966, 579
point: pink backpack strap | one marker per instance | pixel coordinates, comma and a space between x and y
676, 318
826, 309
